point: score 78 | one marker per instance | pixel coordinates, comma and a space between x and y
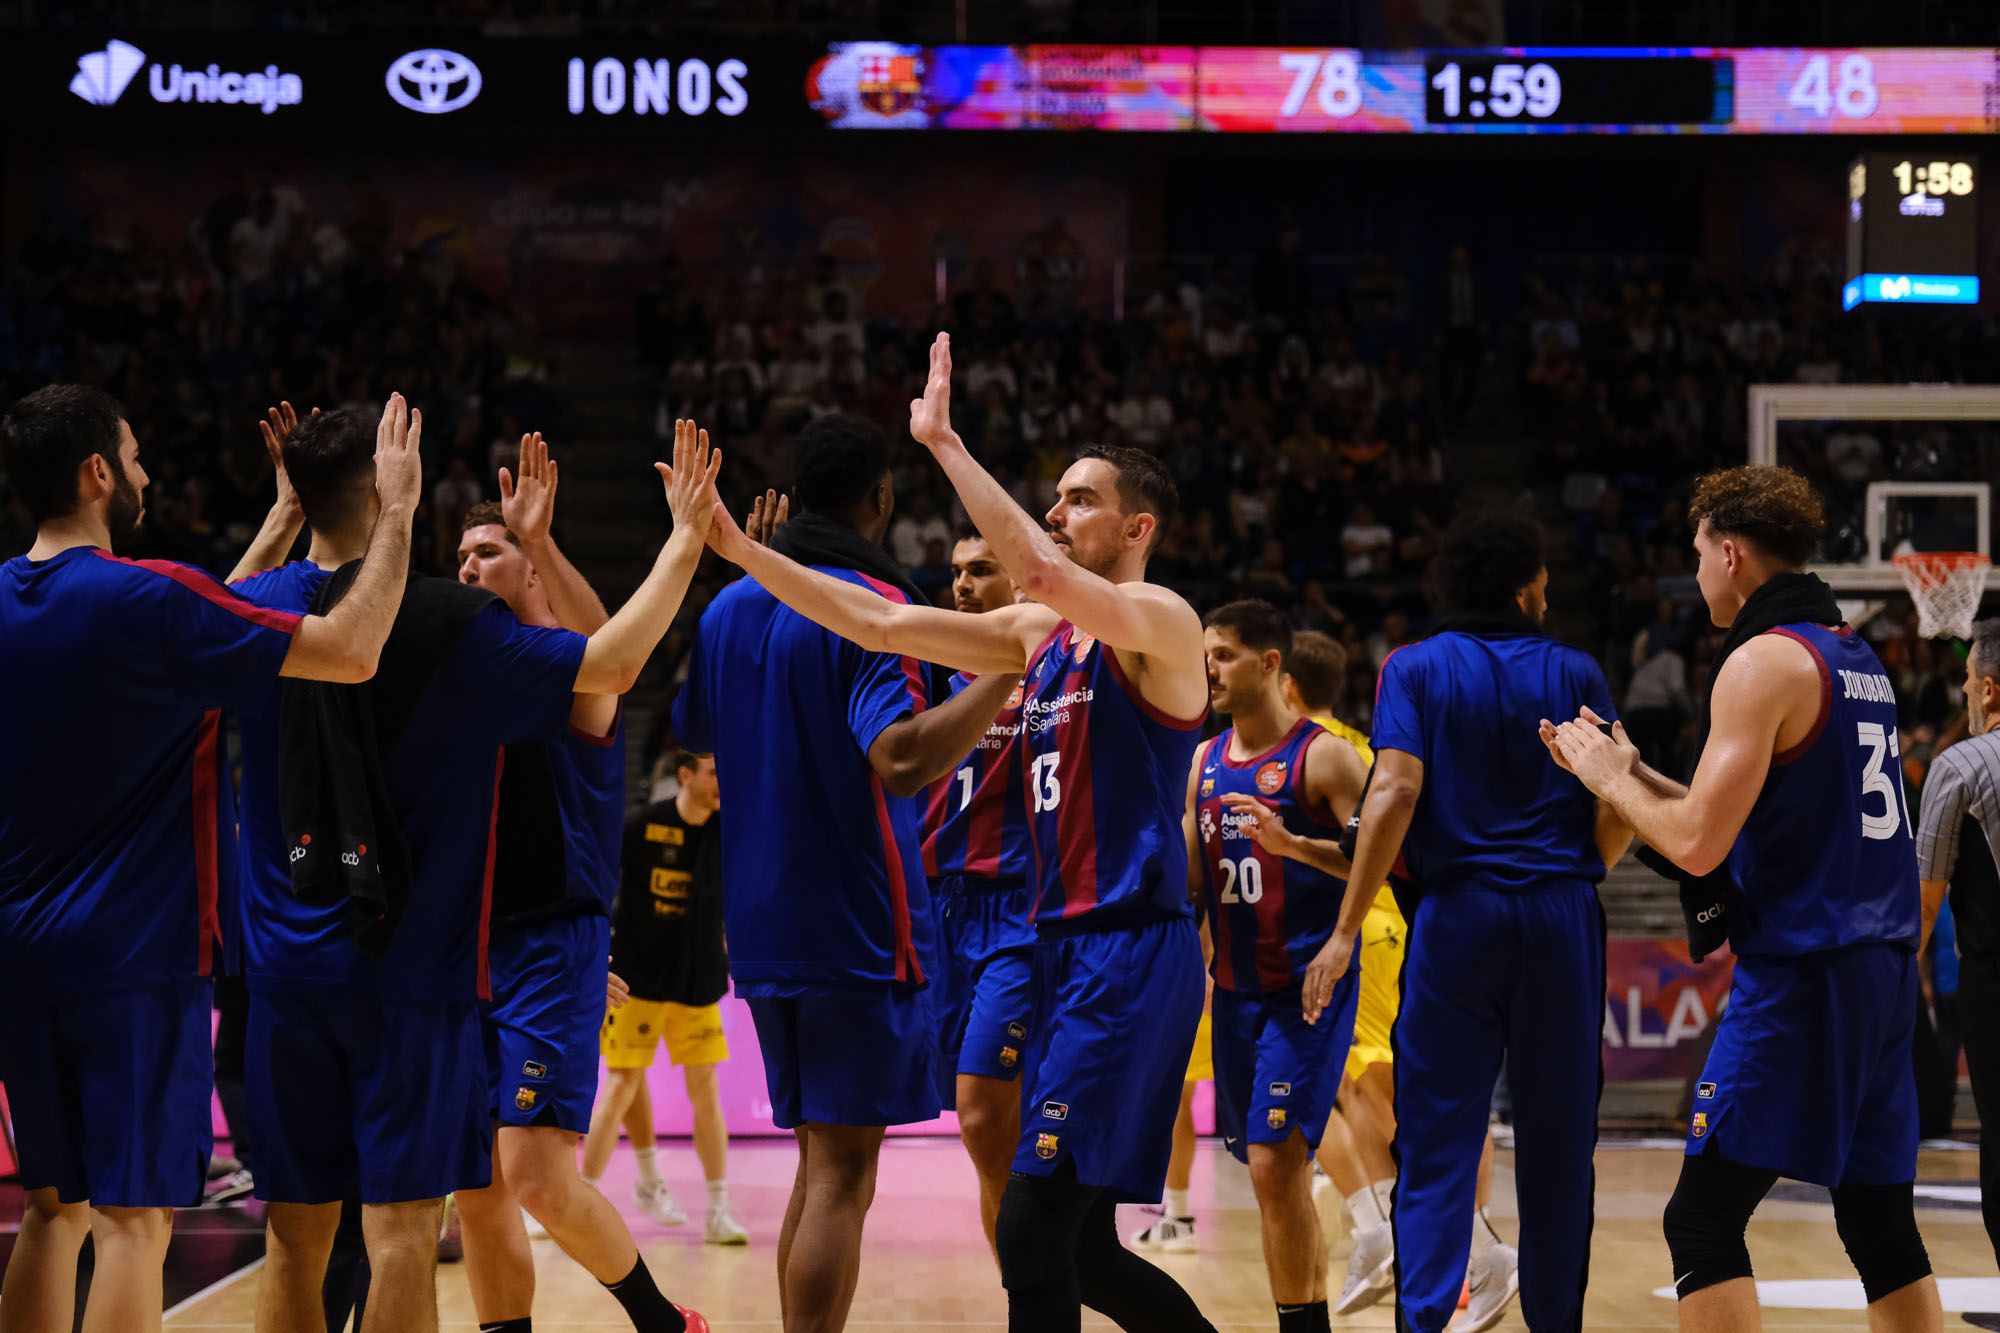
1339, 74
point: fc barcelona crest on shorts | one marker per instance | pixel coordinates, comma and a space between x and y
534, 1069
524, 1099
1275, 1117
1271, 778
1700, 1124
1009, 1057
1045, 1147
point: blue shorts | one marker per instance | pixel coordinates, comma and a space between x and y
1810, 1074
541, 1029
1274, 1072
866, 1056
1115, 1014
356, 1094
985, 994
109, 1094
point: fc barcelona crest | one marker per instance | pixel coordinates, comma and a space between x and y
1045, 1147
1700, 1127
1009, 1057
524, 1099
1275, 1118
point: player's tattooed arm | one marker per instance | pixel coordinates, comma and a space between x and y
616, 653
1137, 618
528, 505
998, 641
1385, 820
345, 645
287, 517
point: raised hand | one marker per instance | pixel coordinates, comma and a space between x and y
276, 426
690, 479
930, 415
399, 465
768, 513
1260, 823
528, 505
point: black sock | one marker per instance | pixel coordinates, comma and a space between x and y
1308, 1318
525, 1325
649, 1311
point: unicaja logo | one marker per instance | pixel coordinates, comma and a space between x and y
102, 76
433, 81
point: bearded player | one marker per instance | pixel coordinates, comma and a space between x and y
1114, 697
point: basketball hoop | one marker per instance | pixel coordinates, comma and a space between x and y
1946, 586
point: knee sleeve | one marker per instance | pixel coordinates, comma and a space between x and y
1878, 1225
1705, 1221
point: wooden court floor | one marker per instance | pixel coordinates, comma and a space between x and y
926, 1267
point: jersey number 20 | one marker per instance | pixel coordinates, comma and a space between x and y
1881, 744
1244, 878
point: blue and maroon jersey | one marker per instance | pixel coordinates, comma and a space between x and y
1268, 916
977, 825
1826, 858
1106, 774
117, 831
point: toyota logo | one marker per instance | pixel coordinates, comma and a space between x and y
433, 81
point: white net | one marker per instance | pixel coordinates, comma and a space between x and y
1946, 587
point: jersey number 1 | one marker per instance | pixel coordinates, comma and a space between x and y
1881, 743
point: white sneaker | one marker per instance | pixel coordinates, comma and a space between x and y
1371, 1269
1170, 1235
656, 1201
722, 1228
1331, 1208
536, 1231
1493, 1286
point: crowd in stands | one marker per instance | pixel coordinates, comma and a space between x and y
1317, 432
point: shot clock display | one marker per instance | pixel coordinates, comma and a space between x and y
1912, 230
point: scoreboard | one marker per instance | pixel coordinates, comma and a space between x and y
637, 87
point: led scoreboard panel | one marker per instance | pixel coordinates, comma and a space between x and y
1525, 90
1912, 230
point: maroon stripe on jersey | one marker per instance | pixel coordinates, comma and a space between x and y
1798, 751
1146, 706
201, 584
1274, 959
935, 815
207, 878
485, 982
913, 670
1076, 807
987, 819
908, 966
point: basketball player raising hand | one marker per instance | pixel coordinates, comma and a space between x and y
1114, 684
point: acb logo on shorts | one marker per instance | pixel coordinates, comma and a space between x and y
1271, 777
1055, 1110
1045, 1147
1018, 1031
534, 1069
524, 1099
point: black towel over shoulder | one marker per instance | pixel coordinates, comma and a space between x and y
333, 794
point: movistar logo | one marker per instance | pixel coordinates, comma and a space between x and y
102, 76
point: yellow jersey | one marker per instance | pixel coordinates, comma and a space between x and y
1384, 899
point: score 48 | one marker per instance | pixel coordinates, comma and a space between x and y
1855, 95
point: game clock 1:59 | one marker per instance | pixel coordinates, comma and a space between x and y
1475, 90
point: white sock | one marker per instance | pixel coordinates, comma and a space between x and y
649, 1171
1483, 1239
1385, 1195
718, 1194
1365, 1209
1177, 1205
